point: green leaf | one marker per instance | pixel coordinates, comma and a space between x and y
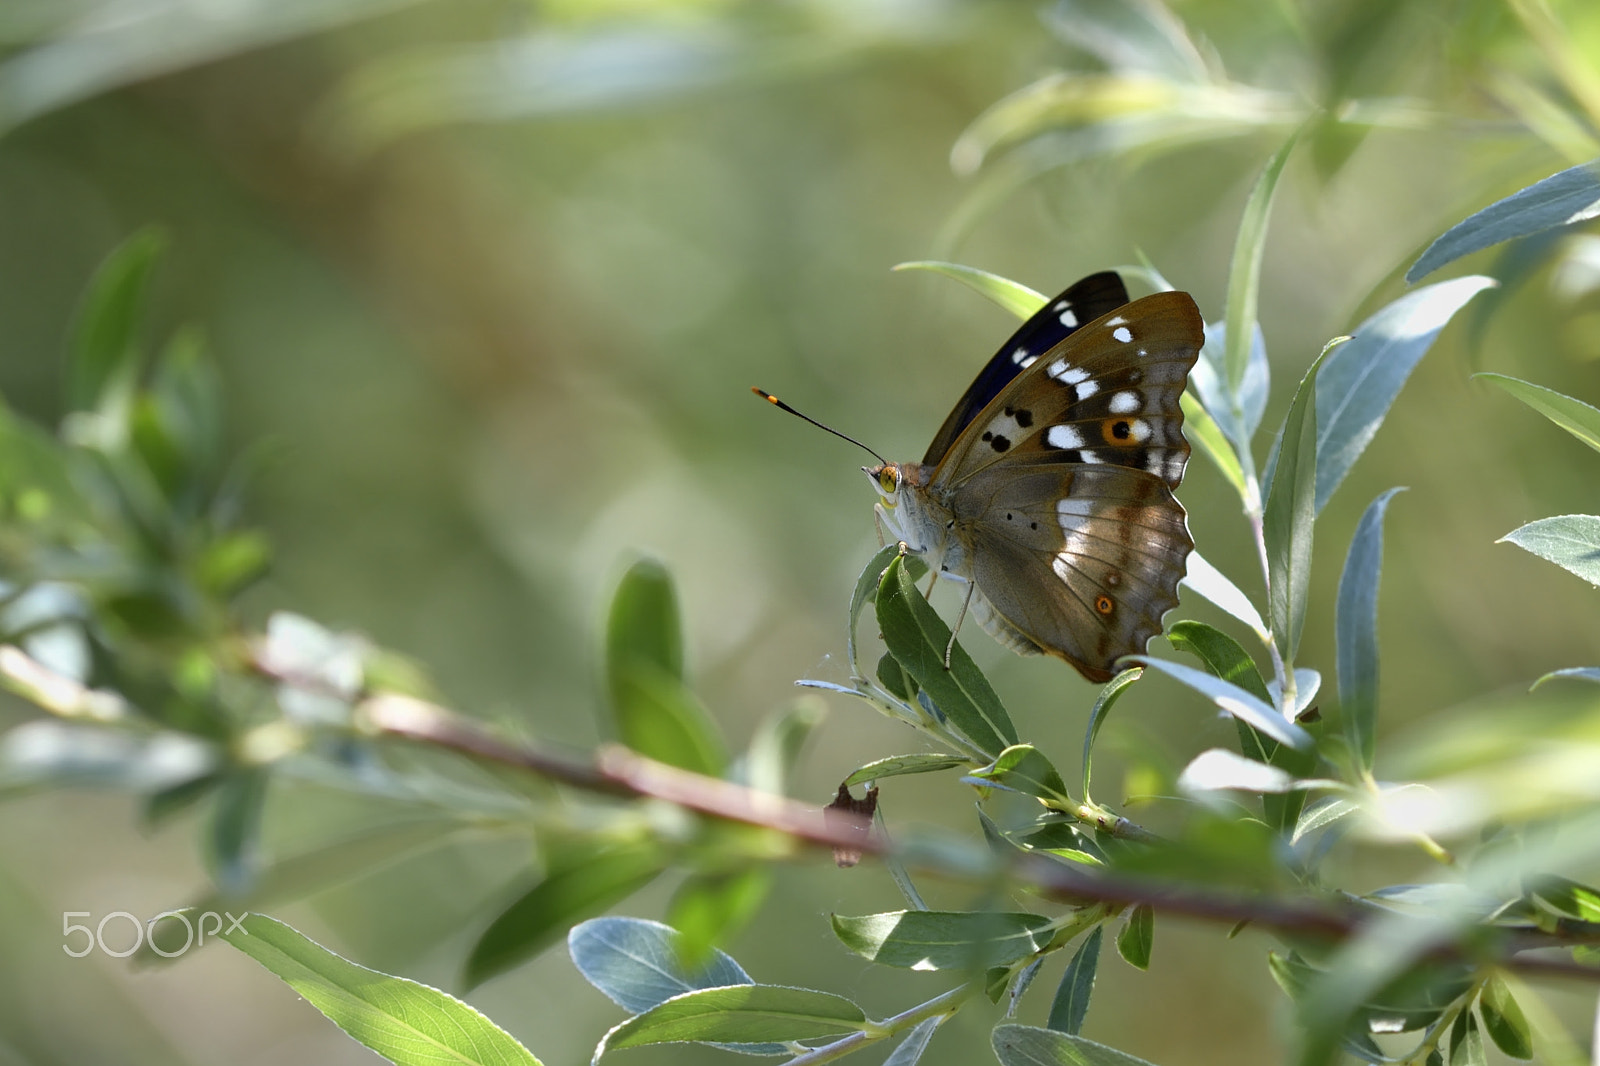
1071, 1004
1244, 275
1145, 38
944, 940
406, 1022
1237, 413
1562, 199
1574, 416
1361, 379
1014, 297
643, 627
895, 765
910, 1050
1289, 515
1356, 630
1023, 1045
636, 962
1466, 1042
738, 1014
1324, 813
710, 908
658, 716
1567, 898
1217, 769
1203, 432
1571, 541
105, 342
895, 680
917, 637
1236, 701
778, 741
866, 590
1137, 936
1109, 694
1576, 673
1022, 768
1215, 586
1220, 654
1504, 1020
587, 884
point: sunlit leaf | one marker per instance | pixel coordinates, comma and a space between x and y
1013, 296
896, 765
918, 637
1023, 1045
1221, 654
1244, 274
1361, 378
1562, 199
737, 1014
1356, 630
1211, 583
1576, 673
1234, 700
1571, 541
541, 916
1574, 416
1022, 768
1288, 518
1202, 431
1217, 769
1071, 1004
944, 940
1466, 1042
1238, 413
636, 962
406, 1022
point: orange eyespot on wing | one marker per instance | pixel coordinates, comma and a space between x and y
1103, 604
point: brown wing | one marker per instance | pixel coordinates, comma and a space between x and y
1105, 396
1082, 560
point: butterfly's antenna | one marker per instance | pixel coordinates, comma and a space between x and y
780, 405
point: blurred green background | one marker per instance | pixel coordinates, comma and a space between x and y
492, 281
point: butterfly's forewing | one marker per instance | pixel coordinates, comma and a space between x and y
1086, 300
1082, 560
1107, 395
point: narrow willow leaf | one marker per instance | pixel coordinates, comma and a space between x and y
236, 828
738, 1014
1361, 379
407, 1023
1214, 585
1559, 200
1576, 673
895, 680
1013, 296
1218, 769
1238, 414
1244, 275
565, 895
909, 1053
866, 590
1020, 986
896, 765
657, 715
1221, 654
1203, 432
1022, 768
1107, 699
1567, 898
944, 940
777, 744
1323, 814
643, 626
1071, 1004
1137, 936
1290, 513
710, 908
1503, 1019
917, 637
1574, 416
105, 339
1570, 541
1466, 1042
1236, 701
1023, 1045
1356, 631
637, 964
1146, 38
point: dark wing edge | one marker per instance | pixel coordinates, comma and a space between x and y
1082, 302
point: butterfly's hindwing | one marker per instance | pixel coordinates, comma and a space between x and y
1081, 561
1085, 301
1107, 395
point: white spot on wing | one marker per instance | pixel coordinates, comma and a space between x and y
1066, 373
1019, 355
1116, 320
1064, 437
1087, 389
1088, 456
1061, 305
1124, 403
1069, 319
1140, 430
1123, 334
1155, 465
1026, 363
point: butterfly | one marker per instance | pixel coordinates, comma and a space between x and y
1049, 488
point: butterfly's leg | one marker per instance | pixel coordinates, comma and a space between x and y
962, 617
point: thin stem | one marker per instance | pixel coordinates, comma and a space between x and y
946, 1004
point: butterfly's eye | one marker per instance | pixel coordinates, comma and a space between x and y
889, 479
